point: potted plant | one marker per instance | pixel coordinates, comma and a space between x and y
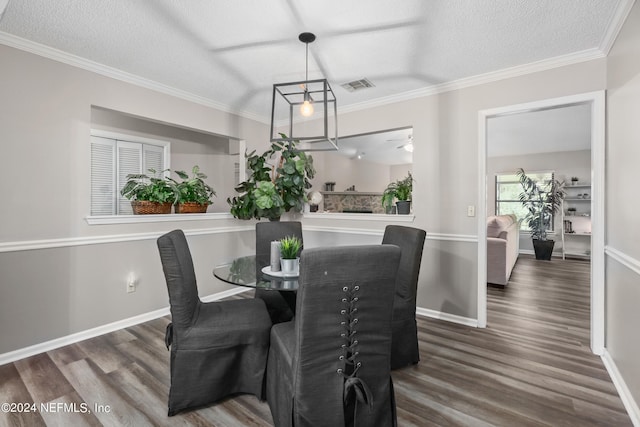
150, 194
290, 247
400, 190
290, 180
542, 201
574, 180
571, 211
194, 195
268, 202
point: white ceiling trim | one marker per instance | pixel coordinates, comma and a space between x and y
614, 28
617, 20
77, 61
519, 70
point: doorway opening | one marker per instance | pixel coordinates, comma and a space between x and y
594, 104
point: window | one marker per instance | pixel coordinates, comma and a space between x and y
113, 157
508, 190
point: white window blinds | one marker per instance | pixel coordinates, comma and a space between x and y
103, 159
111, 161
129, 161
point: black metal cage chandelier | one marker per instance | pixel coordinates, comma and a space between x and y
305, 112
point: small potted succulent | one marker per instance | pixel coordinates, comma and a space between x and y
290, 247
194, 195
571, 211
153, 194
574, 180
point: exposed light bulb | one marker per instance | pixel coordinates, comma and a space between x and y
306, 109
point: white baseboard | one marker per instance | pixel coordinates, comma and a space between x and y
426, 312
627, 399
22, 353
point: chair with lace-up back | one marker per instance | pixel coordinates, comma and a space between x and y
330, 365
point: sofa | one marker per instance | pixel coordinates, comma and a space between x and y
503, 241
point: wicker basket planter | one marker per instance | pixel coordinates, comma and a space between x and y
144, 207
191, 207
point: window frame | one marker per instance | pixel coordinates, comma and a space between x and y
140, 219
123, 140
549, 175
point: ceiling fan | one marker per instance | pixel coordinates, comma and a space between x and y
407, 145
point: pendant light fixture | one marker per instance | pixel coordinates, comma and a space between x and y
305, 112
306, 109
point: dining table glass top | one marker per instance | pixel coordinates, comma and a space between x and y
243, 271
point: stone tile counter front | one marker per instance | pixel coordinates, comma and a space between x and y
352, 201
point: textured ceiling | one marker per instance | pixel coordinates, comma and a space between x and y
546, 131
231, 52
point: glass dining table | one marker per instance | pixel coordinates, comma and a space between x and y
242, 271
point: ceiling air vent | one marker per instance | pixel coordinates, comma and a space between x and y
357, 85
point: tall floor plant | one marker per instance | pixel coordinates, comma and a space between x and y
542, 201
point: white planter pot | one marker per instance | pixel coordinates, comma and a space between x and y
290, 266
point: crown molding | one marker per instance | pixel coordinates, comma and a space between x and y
617, 21
506, 73
519, 70
114, 73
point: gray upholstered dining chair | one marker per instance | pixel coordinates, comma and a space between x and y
404, 347
217, 348
330, 365
279, 304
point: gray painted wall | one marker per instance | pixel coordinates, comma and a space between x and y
445, 132
623, 235
52, 293
45, 121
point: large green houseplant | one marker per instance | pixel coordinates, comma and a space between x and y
271, 191
542, 200
194, 194
268, 201
399, 190
150, 194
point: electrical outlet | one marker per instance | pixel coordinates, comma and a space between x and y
471, 210
131, 285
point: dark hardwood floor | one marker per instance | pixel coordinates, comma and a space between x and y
531, 367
